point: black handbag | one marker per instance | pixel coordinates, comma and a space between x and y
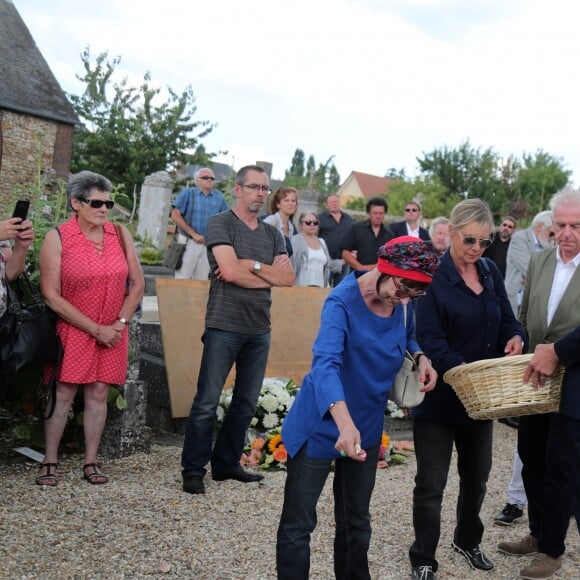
28, 337
174, 255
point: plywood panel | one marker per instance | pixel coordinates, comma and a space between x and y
182, 304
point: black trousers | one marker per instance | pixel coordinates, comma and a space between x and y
549, 447
433, 446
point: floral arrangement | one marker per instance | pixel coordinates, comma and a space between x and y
266, 451
275, 400
394, 411
264, 446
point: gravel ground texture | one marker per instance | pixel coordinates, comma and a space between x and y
142, 525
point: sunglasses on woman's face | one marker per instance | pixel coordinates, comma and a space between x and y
409, 288
310, 223
471, 241
98, 203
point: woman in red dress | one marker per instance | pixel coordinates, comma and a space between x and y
84, 270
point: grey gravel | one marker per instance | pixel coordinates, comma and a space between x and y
142, 525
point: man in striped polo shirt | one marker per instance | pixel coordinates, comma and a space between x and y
247, 257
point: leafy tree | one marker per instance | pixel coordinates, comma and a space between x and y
540, 176
128, 132
509, 186
325, 179
434, 197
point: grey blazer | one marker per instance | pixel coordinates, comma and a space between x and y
534, 310
520, 250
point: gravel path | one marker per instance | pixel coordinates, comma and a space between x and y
142, 525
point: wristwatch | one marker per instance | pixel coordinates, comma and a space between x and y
256, 267
122, 320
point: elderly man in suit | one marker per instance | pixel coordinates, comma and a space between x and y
523, 244
550, 310
410, 225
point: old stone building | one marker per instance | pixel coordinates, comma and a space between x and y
37, 121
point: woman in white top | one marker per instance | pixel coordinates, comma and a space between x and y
282, 206
310, 257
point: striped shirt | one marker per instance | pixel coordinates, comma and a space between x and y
231, 307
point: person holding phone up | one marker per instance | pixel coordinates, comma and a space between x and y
12, 259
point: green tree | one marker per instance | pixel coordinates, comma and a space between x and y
297, 168
434, 197
324, 179
130, 132
540, 176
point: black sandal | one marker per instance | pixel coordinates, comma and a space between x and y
49, 479
95, 477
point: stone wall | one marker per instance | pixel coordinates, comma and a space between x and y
25, 139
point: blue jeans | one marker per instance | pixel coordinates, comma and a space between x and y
433, 447
220, 351
353, 485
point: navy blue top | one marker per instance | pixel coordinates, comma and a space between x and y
456, 325
357, 355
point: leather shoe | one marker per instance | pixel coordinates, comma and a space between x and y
193, 484
475, 558
238, 474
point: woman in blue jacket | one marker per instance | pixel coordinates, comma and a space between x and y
339, 411
465, 316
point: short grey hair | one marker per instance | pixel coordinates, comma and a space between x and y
469, 211
564, 197
441, 220
80, 184
196, 174
544, 218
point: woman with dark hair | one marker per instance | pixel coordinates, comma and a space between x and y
464, 317
282, 207
91, 277
338, 415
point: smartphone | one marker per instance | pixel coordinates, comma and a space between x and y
21, 209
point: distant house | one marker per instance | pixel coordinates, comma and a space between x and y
359, 184
35, 114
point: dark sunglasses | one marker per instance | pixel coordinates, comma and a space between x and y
310, 223
411, 209
509, 226
409, 288
98, 203
471, 241
207, 178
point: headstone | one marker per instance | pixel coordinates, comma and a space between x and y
154, 208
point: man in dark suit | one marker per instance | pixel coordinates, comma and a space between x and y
410, 225
544, 363
548, 443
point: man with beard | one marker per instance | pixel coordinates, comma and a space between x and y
497, 252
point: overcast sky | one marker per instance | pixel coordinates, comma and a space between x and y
376, 83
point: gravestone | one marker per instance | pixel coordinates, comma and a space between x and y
154, 208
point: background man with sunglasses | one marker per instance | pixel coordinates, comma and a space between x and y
498, 250
191, 211
410, 225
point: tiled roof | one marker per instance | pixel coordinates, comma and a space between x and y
27, 84
372, 185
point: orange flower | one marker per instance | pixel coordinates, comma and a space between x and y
258, 443
385, 440
280, 454
274, 442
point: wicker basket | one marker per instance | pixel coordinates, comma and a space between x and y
493, 388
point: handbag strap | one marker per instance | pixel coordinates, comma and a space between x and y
14, 304
119, 233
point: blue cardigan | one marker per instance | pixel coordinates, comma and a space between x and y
455, 325
357, 355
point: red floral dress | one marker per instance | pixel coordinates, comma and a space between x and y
95, 284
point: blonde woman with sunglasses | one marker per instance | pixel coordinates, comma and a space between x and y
91, 277
465, 316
